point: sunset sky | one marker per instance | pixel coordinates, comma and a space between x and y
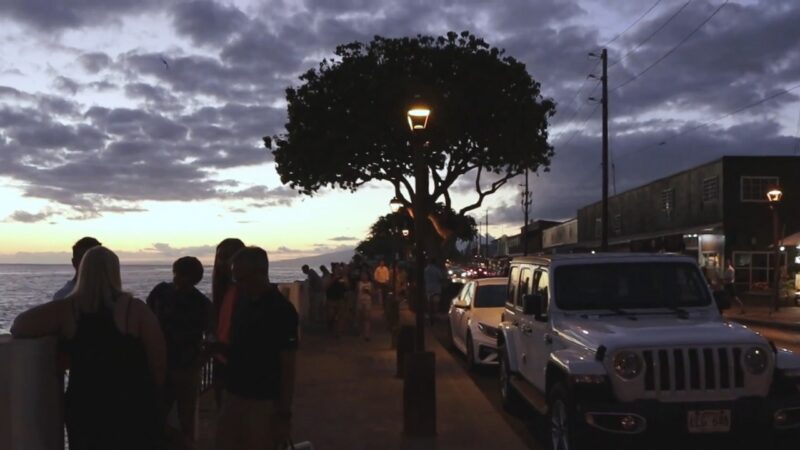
139, 122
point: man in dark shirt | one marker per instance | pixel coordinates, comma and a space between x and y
185, 316
260, 374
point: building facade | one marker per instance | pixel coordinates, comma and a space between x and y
717, 212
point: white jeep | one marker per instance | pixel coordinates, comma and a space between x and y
635, 345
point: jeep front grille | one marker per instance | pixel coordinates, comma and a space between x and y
688, 369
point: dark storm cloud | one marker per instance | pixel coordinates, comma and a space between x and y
94, 62
157, 96
66, 85
48, 15
743, 54
207, 22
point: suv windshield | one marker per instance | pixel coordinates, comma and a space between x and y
491, 296
630, 286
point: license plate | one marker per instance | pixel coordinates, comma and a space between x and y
709, 421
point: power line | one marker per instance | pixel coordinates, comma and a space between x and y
633, 24
651, 35
583, 125
577, 110
672, 50
724, 116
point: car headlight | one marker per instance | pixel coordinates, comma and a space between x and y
755, 360
628, 365
488, 330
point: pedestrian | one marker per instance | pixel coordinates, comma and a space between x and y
223, 295
117, 355
382, 277
729, 283
185, 316
364, 305
434, 280
316, 295
78, 250
259, 383
336, 301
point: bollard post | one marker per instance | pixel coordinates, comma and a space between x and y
419, 394
405, 345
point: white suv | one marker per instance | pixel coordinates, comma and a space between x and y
628, 344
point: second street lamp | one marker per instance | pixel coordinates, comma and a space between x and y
774, 196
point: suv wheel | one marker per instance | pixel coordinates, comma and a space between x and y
564, 432
470, 353
511, 401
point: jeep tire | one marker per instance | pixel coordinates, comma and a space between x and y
562, 429
511, 400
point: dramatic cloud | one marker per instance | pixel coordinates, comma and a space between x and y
114, 127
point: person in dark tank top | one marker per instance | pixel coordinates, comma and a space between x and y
117, 358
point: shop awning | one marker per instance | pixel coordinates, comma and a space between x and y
793, 240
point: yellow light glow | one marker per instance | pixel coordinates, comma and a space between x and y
418, 118
774, 195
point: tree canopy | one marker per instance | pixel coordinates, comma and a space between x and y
347, 120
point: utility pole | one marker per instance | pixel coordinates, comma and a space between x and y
604, 101
487, 233
526, 204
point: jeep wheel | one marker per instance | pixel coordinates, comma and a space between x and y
510, 399
470, 353
564, 432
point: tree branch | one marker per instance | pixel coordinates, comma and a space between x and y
482, 194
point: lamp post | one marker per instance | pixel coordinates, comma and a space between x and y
774, 197
417, 122
419, 383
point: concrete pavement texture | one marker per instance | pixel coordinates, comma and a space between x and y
348, 398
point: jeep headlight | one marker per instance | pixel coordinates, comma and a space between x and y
628, 365
755, 360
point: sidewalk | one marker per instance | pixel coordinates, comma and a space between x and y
786, 318
347, 398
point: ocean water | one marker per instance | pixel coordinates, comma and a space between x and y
25, 285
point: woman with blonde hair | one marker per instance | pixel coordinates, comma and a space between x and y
117, 354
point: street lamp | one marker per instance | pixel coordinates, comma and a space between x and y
395, 204
419, 383
774, 197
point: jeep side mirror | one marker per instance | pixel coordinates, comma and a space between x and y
722, 299
533, 305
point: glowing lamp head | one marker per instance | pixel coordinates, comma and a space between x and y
418, 117
395, 204
774, 195
406, 232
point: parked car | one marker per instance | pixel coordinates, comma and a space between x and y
633, 344
475, 317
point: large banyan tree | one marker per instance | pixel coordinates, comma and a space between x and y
347, 127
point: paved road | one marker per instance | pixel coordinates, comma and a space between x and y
529, 426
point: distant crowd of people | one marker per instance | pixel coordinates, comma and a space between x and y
131, 362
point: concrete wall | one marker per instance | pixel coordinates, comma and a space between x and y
30, 395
